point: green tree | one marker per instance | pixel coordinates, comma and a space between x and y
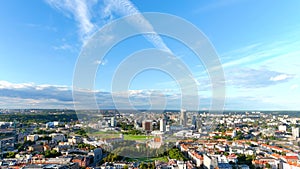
143, 166
81, 132
10, 155
175, 153
51, 153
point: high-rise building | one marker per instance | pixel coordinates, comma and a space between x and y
112, 121
199, 124
147, 125
162, 123
183, 117
295, 132
194, 121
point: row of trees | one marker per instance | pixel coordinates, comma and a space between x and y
223, 137
47, 154
125, 126
87, 146
112, 157
149, 165
138, 150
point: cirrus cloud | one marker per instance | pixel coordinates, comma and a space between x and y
254, 78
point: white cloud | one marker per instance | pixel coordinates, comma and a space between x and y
80, 11
29, 95
280, 77
18, 95
126, 8
8, 85
21, 103
101, 62
257, 53
256, 78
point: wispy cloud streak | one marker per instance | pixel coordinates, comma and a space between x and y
126, 8
79, 9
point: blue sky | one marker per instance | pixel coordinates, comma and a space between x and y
257, 43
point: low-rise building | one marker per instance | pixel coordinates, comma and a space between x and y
58, 137
33, 137
75, 140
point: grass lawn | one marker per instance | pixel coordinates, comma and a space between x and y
109, 134
164, 159
137, 137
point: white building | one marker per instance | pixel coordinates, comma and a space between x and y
162, 123
32, 137
75, 140
112, 121
295, 132
184, 133
196, 158
209, 162
56, 123
282, 128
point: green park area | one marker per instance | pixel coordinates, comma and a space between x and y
103, 134
137, 137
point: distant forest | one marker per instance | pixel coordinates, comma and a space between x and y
47, 115
39, 117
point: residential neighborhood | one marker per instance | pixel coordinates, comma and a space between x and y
175, 139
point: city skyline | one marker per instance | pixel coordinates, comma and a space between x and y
257, 43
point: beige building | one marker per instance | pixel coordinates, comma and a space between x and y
32, 137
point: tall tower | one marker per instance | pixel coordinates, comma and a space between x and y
194, 121
199, 124
162, 123
183, 118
